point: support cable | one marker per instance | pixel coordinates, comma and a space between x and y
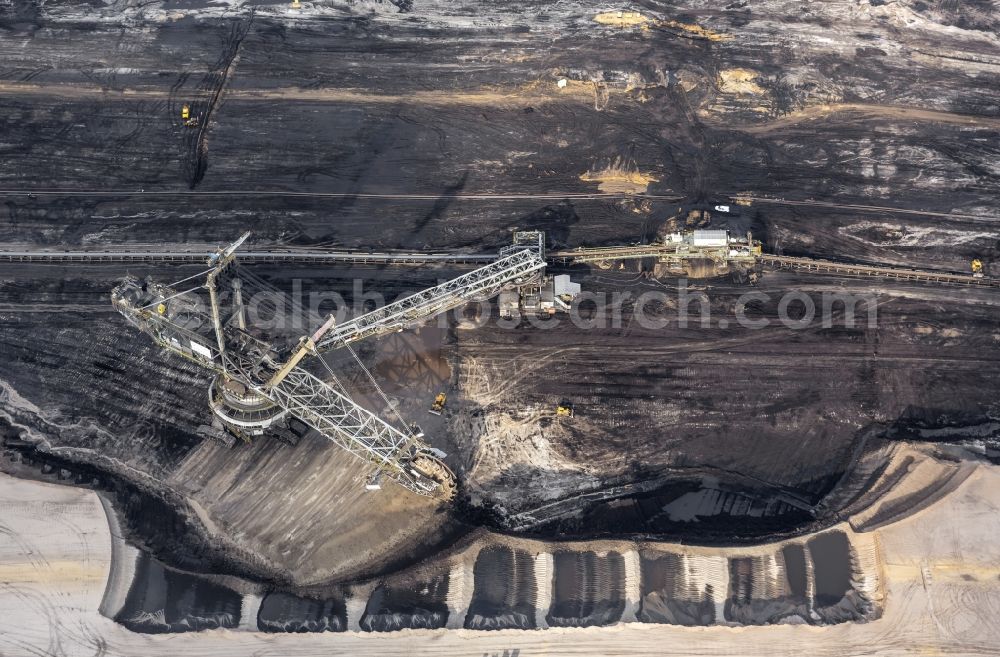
184, 280
172, 296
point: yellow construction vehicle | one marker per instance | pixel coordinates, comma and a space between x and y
189, 120
564, 409
438, 404
977, 268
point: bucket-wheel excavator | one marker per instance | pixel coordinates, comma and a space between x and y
259, 386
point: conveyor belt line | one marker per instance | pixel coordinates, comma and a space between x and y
578, 256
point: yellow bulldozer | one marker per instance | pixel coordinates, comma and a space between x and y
438, 404
189, 120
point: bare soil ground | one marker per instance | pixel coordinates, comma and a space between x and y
758, 434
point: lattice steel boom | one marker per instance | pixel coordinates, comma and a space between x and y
484, 282
350, 426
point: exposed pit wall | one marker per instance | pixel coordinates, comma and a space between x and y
497, 582
124, 559
837, 578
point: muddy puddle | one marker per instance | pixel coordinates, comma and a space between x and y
794, 557
835, 598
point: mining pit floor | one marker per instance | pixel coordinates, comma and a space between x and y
850, 130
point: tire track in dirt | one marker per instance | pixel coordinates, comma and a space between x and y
214, 84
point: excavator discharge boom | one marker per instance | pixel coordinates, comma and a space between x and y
483, 283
